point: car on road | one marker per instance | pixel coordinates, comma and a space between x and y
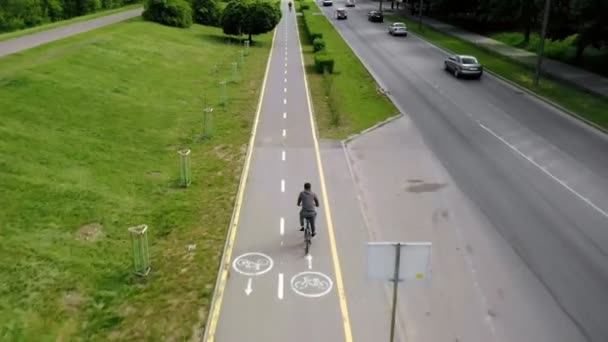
375, 16
328, 3
463, 65
397, 29
350, 3
341, 13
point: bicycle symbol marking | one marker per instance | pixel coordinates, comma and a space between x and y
311, 284
252, 264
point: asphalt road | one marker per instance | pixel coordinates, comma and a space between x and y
537, 175
15, 45
268, 297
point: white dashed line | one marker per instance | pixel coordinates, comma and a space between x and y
282, 226
280, 290
284, 133
282, 185
286, 80
284, 90
286, 65
283, 156
284, 101
544, 169
285, 115
285, 72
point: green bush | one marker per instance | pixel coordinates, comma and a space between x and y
318, 44
206, 12
305, 6
176, 13
324, 62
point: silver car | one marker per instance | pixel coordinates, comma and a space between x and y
463, 65
397, 29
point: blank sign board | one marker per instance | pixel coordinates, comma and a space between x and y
415, 260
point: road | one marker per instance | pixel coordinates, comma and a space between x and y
16, 45
272, 295
538, 176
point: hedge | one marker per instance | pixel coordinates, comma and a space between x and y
176, 13
324, 62
318, 44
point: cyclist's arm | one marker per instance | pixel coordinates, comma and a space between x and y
316, 201
299, 199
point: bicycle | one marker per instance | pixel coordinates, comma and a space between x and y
307, 234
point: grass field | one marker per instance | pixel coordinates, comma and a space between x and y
89, 136
31, 30
591, 107
594, 60
351, 95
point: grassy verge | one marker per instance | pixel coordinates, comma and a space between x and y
347, 101
590, 107
89, 135
31, 30
594, 60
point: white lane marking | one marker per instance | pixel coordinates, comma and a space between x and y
286, 65
309, 259
285, 80
283, 156
544, 169
284, 132
284, 115
284, 90
284, 101
249, 289
285, 72
252, 264
311, 284
282, 226
282, 185
280, 291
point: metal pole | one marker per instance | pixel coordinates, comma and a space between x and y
420, 16
380, 6
395, 288
541, 46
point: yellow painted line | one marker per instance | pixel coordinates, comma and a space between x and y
225, 267
348, 335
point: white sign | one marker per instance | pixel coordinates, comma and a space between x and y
252, 264
414, 261
311, 284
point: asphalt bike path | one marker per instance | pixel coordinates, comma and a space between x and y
19, 44
267, 289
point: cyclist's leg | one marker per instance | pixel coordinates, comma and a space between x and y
313, 216
301, 220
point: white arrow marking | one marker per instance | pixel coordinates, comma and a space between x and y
282, 230
309, 259
248, 290
280, 294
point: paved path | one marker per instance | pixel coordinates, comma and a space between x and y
15, 45
279, 295
535, 180
591, 82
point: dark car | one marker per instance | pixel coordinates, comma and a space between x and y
462, 65
328, 3
341, 13
375, 16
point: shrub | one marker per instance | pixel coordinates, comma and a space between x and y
304, 6
324, 62
318, 44
206, 12
176, 13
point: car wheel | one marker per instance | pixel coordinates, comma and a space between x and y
446, 67
456, 73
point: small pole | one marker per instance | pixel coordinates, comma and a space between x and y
235, 71
247, 47
420, 16
395, 288
207, 122
185, 172
541, 46
223, 94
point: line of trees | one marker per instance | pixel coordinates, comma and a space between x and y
20, 14
586, 19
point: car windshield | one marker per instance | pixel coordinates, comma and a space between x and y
399, 25
469, 60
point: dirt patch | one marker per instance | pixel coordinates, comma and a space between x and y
424, 187
223, 152
90, 232
72, 301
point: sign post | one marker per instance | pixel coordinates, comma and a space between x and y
398, 261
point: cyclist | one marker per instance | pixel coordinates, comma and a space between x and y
308, 200
289, 4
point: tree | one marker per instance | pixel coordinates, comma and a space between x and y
206, 12
524, 13
169, 12
251, 17
589, 18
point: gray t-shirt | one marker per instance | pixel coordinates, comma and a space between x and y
309, 200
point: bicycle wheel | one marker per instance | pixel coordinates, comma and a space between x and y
307, 236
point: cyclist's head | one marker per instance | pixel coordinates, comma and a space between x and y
306, 186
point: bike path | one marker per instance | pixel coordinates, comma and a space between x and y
265, 296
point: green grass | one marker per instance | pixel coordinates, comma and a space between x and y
36, 29
89, 136
350, 94
594, 60
591, 107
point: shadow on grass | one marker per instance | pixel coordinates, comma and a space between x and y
230, 40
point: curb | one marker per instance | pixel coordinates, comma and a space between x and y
373, 128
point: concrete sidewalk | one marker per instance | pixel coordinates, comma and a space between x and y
588, 81
15, 45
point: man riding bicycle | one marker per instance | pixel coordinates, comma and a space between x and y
308, 200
